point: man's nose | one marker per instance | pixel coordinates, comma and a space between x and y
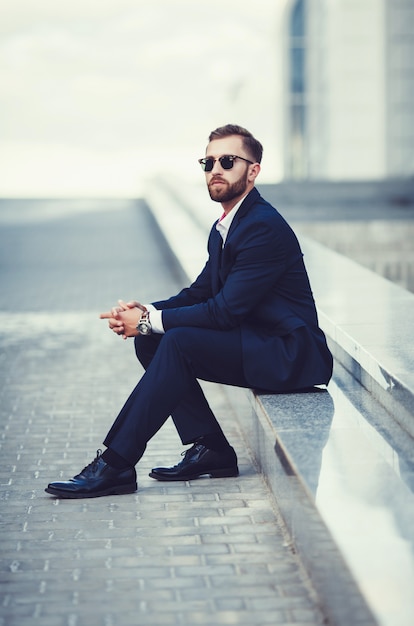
217, 167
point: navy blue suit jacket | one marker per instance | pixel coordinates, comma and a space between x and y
258, 282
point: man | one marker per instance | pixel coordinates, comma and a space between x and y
248, 320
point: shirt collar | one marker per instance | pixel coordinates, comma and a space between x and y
224, 223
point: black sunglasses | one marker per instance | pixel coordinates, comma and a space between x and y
226, 162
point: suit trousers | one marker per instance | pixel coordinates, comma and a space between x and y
173, 363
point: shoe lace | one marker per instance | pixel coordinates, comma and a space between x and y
91, 468
191, 450
184, 454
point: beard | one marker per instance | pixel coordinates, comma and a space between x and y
228, 191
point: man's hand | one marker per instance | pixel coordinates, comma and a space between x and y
123, 319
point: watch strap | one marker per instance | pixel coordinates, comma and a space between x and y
144, 324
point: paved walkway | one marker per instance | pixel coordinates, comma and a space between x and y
205, 552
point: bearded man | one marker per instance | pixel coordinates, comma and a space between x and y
248, 320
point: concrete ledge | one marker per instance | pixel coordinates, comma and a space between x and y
270, 424
369, 323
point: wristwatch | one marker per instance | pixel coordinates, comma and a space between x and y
144, 325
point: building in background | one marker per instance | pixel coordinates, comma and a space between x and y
349, 89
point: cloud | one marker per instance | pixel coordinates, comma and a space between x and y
116, 76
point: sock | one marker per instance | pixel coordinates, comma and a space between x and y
115, 460
215, 441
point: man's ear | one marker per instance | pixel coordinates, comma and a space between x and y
254, 171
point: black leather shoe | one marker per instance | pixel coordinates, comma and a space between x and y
199, 461
96, 479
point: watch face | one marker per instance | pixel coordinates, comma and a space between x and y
144, 328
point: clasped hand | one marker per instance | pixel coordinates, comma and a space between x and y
123, 319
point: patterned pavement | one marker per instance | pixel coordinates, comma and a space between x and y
204, 552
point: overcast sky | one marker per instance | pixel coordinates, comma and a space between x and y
96, 95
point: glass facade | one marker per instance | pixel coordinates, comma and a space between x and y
297, 164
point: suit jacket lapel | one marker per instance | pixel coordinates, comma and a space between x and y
215, 258
217, 244
250, 199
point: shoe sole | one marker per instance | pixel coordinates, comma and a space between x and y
114, 491
219, 473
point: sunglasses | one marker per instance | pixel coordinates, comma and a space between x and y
226, 162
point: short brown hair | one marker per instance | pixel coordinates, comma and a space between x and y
252, 146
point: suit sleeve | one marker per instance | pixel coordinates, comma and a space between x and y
252, 263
